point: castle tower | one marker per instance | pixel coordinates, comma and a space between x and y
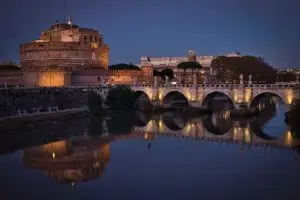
192, 56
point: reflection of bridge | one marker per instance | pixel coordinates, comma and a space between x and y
196, 94
236, 132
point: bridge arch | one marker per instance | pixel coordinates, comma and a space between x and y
141, 119
217, 123
259, 96
207, 99
172, 96
174, 122
259, 124
140, 95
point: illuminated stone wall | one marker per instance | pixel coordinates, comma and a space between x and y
64, 46
47, 77
11, 78
51, 79
63, 54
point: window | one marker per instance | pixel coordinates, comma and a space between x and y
91, 38
98, 79
85, 39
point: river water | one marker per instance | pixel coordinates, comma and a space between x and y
135, 156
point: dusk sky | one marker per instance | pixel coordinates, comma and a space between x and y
135, 28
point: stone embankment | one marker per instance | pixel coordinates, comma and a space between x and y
19, 121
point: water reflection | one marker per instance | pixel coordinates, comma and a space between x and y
69, 161
85, 157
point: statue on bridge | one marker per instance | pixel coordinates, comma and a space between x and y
155, 80
167, 79
250, 79
194, 79
241, 79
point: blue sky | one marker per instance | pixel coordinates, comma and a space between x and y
135, 28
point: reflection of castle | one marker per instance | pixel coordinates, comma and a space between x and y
69, 161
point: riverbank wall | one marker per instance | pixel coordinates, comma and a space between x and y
19, 121
29, 99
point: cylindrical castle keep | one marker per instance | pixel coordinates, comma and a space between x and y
65, 45
61, 49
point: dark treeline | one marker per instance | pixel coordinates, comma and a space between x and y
192, 65
123, 66
229, 69
166, 72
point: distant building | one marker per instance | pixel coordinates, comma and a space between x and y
160, 63
172, 62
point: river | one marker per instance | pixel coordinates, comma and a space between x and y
169, 156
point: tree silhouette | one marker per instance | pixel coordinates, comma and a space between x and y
166, 72
228, 69
123, 66
189, 65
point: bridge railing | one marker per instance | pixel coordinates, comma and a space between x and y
291, 85
217, 85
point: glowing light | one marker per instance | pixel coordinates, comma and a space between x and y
53, 155
149, 93
94, 45
290, 98
226, 114
160, 95
235, 133
51, 79
96, 164
146, 136
247, 136
235, 95
288, 138
160, 125
149, 126
248, 95
187, 129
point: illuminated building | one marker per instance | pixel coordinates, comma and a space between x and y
66, 54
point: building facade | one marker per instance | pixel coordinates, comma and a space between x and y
207, 72
66, 54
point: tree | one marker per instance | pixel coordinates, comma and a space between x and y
95, 103
167, 72
156, 73
230, 68
123, 66
120, 97
189, 65
285, 77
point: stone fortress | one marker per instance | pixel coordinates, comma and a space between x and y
68, 55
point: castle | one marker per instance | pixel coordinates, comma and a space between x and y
68, 55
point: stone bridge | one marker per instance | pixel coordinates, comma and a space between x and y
197, 94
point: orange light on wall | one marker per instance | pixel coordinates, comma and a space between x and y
51, 79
